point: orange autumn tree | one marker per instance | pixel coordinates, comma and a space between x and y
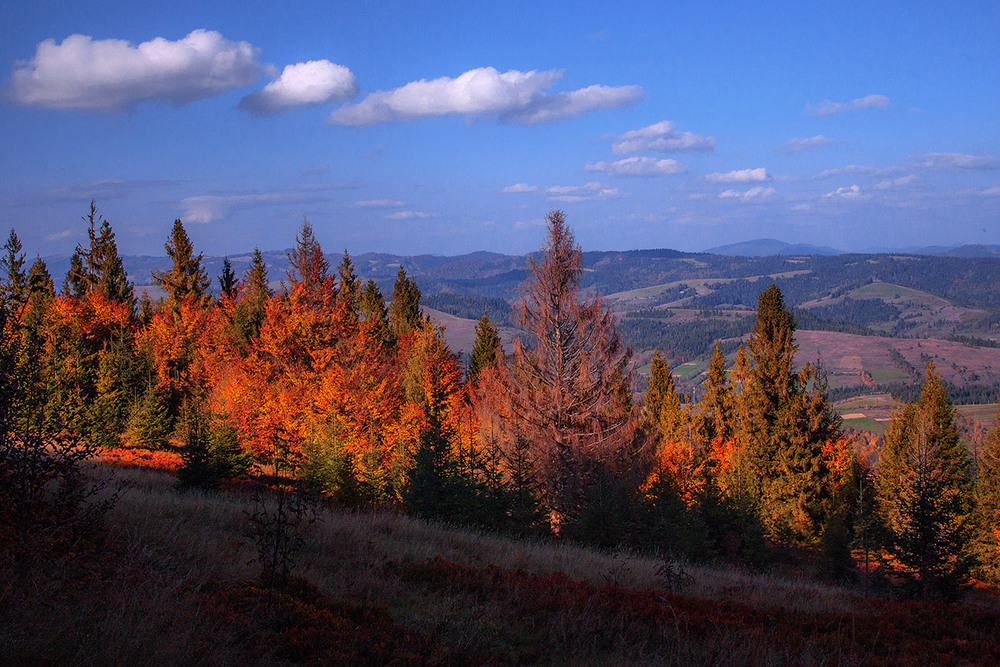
567, 382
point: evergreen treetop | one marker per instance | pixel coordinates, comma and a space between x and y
186, 279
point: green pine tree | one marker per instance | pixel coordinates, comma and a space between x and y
186, 279
349, 288
227, 281
485, 350
404, 312
103, 266
14, 289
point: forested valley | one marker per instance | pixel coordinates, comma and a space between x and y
328, 395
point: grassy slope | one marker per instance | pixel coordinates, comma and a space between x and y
170, 587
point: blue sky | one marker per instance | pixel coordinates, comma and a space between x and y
445, 128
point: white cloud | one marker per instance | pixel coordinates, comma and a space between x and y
856, 169
592, 191
59, 236
754, 193
303, 84
209, 208
954, 161
513, 96
407, 215
518, 188
828, 108
900, 182
797, 145
757, 175
802, 207
991, 192
378, 203
662, 137
113, 75
639, 166
853, 192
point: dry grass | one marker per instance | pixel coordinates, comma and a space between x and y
153, 597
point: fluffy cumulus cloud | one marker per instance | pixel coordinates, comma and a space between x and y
114, 75
757, 175
828, 108
639, 166
753, 194
592, 191
798, 145
518, 188
513, 97
955, 161
303, 85
663, 138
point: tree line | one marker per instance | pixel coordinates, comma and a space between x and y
358, 399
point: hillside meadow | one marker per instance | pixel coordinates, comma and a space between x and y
172, 582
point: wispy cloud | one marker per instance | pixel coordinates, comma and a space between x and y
753, 194
757, 175
59, 236
798, 145
892, 183
828, 108
511, 97
639, 166
209, 208
592, 191
955, 161
663, 138
518, 188
303, 85
378, 203
852, 192
407, 215
856, 169
114, 75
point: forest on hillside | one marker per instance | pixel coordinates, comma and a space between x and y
329, 390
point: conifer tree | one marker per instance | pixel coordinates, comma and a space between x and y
227, 281
923, 493
75, 283
186, 279
404, 311
104, 268
485, 349
254, 294
373, 312
662, 406
716, 415
565, 380
349, 288
986, 537
15, 283
308, 268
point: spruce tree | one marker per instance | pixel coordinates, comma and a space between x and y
105, 270
349, 288
716, 411
374, 314
986, 526
308, 268
565, 381
404, 311
923, 493
485, 349
75, 284
14, 292
251, 306
662, 406
227, 281
186, 279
